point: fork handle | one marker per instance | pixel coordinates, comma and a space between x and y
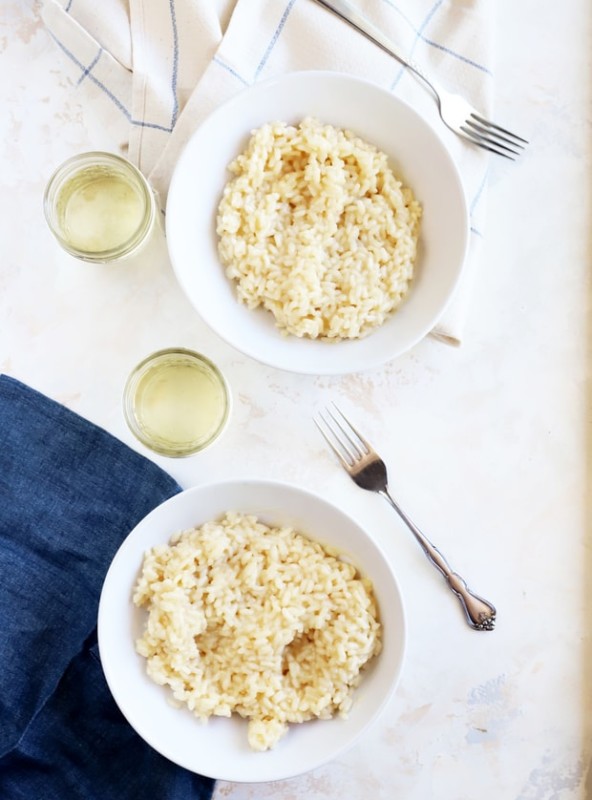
357, 20
480, 613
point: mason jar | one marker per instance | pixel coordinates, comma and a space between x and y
100, 207
176, 402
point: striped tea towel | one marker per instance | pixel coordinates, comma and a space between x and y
155, 70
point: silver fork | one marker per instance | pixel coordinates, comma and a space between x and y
455, 111
368, 471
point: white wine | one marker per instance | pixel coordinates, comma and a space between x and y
99, 209
179, 402
176, 402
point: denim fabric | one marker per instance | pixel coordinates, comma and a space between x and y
69, 494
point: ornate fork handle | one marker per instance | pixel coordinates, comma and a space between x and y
479, 612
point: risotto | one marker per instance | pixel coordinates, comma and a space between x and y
315, 227
257, 620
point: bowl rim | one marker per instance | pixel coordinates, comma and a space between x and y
330, 366
103, 621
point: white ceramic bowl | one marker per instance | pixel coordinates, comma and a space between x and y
417, 156
219, 749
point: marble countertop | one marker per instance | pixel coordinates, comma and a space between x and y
488, 444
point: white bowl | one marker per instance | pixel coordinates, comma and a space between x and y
219, 749
417, 156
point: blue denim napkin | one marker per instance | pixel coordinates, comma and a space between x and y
69, 494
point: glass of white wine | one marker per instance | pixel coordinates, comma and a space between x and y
176, 402
99, 207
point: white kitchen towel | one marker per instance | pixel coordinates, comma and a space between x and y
154, 69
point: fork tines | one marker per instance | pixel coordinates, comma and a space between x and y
348, 444
492, 137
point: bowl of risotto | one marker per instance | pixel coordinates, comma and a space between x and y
250, 631
317, 223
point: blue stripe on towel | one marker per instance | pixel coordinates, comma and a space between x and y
90, 66
229, 69
418, 34
479, 191
476, 199
154, 125
437, 45
460, 57
175, 63
274, 38
396, 8
102, 86
107, 91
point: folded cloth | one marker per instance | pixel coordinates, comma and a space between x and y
161, 68
69, 494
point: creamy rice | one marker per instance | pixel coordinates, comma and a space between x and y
315, 228
258, 620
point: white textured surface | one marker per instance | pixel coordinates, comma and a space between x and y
488, 445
